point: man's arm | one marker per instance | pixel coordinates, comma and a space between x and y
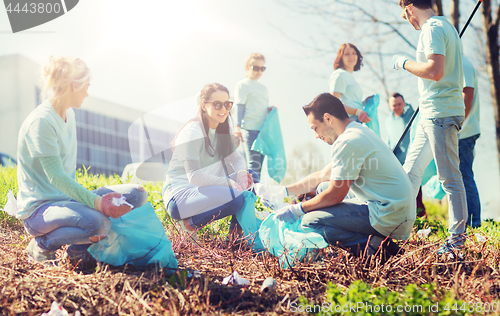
468, 93
433, 69
335, 194
310, 182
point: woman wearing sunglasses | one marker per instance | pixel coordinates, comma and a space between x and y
253, 107
344, 86
206, 173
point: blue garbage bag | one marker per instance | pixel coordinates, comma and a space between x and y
434, 188
269, 142
249, 222
137, 238
288, 241
371, 108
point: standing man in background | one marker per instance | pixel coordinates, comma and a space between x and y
401, 113
442, 110
468, 135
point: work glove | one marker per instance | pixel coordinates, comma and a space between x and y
398, 62
290, 213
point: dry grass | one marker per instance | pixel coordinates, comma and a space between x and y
29, 289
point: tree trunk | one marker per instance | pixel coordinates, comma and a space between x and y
437, 5
492, 58
455, 13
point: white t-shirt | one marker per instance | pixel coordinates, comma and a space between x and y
43, 134
343, 82
441, 98
471, 123
379, 180
254, 96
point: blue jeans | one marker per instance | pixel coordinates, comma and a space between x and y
214, 202
438, 139
346, 223
254, 159
69, 222
466, 154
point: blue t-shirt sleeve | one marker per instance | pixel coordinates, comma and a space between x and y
434, 41
348, 161
41, 139
338, 83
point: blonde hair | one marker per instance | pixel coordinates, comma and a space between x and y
60, 72
251, 57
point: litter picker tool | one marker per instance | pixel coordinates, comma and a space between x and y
416, 111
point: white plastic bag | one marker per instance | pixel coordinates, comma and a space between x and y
272, 196
235, 279
11, 205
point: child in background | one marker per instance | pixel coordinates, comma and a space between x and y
252, 100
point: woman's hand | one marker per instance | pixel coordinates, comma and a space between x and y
105, 205
235, 185
244, 179
269, 109
237, 133
363, 116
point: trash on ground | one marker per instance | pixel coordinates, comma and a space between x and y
235, 279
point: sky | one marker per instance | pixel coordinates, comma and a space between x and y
159, 54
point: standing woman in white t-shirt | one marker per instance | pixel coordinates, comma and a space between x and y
344, 86
56, 209
206, 174
252, 101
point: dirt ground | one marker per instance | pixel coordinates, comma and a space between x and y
29, 289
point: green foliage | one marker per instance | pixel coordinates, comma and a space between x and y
8, 181
363, 299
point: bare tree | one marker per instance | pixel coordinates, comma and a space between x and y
490, 25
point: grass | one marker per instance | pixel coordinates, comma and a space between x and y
419, 278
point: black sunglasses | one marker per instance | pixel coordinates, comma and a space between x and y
257, 68
218, 105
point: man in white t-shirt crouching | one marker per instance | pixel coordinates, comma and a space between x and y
381, 203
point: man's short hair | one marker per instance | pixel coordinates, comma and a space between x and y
326, 103
397, 94
421, 4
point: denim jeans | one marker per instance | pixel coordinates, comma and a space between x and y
438, 139
69, 222
254, 159
466, 154
346, 223
214, 198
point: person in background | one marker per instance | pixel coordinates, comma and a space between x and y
395, 124
467, 141
207, 174
343, 85
252, 103
56, 209
438, 67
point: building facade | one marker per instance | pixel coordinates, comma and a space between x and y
106, 131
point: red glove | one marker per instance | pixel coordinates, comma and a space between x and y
107, 207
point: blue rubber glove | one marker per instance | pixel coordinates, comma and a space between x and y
398, 62
290, 213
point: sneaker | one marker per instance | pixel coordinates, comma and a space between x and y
39, 255
421, 213
192, 234
452, 250
78, 255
